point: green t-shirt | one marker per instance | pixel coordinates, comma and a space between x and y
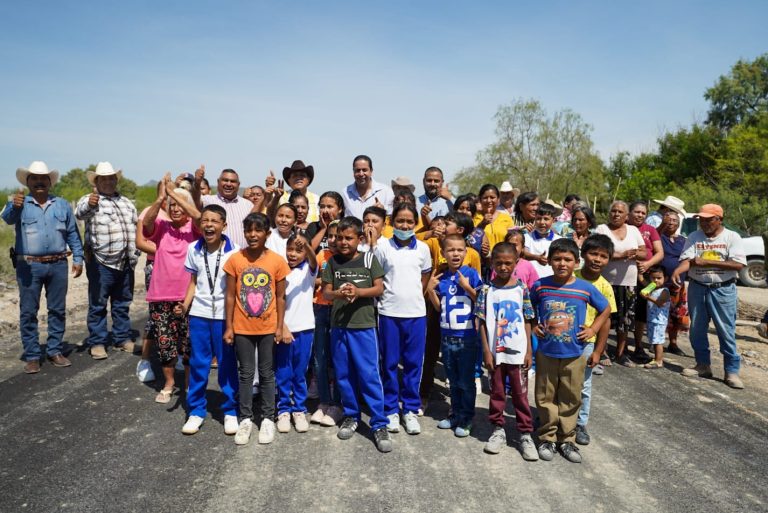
361, 272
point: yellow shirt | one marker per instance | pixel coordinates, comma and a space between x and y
605, 288
497, 229
472, 258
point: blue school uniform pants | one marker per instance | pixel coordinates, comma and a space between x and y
206, 340
291, 362
402, 340
356, 360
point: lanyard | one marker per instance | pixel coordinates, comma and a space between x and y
212, 281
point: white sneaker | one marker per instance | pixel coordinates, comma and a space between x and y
300, 422
411, 422
266, 431
243, 432
230, 424
333, 416
144, 371
283, 423
317, 417
192, 425
394, 423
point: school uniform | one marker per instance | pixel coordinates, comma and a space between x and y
402, 321
206, 327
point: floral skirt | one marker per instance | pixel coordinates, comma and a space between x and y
624, 319
170, 331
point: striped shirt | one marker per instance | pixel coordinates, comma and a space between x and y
237, 210
110, 230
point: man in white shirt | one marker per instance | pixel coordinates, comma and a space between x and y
713, 256
365, 191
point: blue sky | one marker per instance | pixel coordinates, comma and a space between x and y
164, 86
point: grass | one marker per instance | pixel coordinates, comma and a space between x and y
7, 239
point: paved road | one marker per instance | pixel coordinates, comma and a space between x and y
90, 438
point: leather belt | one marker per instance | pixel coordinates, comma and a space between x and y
47, 259
716, 285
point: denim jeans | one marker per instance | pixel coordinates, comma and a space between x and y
718, 305
107, 285
586, 389
459, 354
31, 278
322, 356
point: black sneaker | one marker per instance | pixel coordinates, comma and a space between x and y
347, 429
382, 439
582, 437
570, 452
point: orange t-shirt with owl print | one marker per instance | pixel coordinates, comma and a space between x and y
255, 304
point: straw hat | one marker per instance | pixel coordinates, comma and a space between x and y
672, 203
103, 169
37, 167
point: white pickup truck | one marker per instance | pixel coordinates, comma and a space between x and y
753, 274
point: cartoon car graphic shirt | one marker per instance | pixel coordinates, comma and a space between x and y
727, 245
457, 315
504, 311
255, 306
561, 310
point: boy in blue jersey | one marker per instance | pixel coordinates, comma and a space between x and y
560, 302
505, 314
453, 294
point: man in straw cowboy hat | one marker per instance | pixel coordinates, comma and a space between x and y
110, 242
45, 227
668, 204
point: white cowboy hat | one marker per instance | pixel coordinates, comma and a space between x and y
103, 169
37, 167
672, 203
404, 182
552, 203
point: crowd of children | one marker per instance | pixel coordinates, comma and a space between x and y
361, 308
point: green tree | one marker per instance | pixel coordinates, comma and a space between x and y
739, 96
535, 151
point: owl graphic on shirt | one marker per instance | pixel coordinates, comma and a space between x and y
255, 291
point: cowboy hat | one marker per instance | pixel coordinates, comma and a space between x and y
672, 203
507, 187
558, 208
37, 167
299, 166
403, 182
103, 169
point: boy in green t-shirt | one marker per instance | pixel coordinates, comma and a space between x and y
352, 280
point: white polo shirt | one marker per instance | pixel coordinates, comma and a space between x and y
299, 293
276, 243
403, 268
538, 244
355, 205
206, 304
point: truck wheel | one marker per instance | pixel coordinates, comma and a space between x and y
753, 274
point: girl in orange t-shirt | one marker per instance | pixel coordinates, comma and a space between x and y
255, 308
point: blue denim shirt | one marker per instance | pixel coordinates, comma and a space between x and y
45, 231
440, 206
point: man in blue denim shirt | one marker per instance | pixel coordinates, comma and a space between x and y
45, 226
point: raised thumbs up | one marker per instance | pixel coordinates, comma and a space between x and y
270, 180
18, 198
93, 199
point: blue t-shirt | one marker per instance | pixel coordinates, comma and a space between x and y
457, 317
562, 310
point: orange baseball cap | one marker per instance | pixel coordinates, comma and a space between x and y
710, 210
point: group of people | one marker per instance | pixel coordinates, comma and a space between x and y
357, 293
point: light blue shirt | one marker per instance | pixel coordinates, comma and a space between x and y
44, 230
440, 206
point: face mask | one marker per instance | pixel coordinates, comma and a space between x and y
402, 234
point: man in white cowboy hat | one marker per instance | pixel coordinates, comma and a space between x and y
45, 227
507, 196
668, 204
110, 249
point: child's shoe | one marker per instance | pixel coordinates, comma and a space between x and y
448, 423
230, 424
347, 429
192, 425
394, 423
547, 450
462, 431
582, 437
267, 431
320, 412
411, 422
382, 439
598, 370
243, 432
332, 416
284, 422
497, 440
570, 452
653, 364
300, 422
528, 448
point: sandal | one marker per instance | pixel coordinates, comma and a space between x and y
605, 361
164, 396
653, 364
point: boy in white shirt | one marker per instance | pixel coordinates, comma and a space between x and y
538, 241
